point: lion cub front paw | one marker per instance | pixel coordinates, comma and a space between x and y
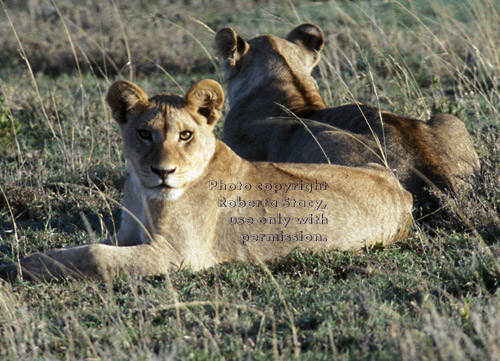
37, 267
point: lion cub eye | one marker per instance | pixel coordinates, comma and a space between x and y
185, 135
144, 134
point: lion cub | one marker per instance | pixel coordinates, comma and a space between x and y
277, 114
191, 201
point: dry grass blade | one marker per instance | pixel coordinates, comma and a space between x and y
130, 63
32, 75
16, 233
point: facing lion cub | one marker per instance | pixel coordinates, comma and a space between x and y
277, 114
191, 201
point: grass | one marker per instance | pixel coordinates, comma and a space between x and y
433, 296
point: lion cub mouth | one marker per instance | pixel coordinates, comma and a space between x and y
160, 185
165, 192
163, 184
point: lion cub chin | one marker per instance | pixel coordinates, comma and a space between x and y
190, 201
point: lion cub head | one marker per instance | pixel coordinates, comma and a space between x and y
269, 62
302, 46
168, 139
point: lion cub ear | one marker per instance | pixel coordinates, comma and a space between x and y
124, 97
230, 45
206, 98
310, 37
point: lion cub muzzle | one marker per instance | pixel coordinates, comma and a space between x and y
163, 173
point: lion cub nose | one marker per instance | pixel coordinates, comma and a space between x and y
163, 172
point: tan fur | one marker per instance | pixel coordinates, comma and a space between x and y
173, 219
270, 87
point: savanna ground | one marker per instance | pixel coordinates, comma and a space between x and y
433, 296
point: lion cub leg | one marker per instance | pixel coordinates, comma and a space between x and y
94, 261
132, 230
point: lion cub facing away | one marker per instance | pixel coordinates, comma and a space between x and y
277, 114
191, 201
